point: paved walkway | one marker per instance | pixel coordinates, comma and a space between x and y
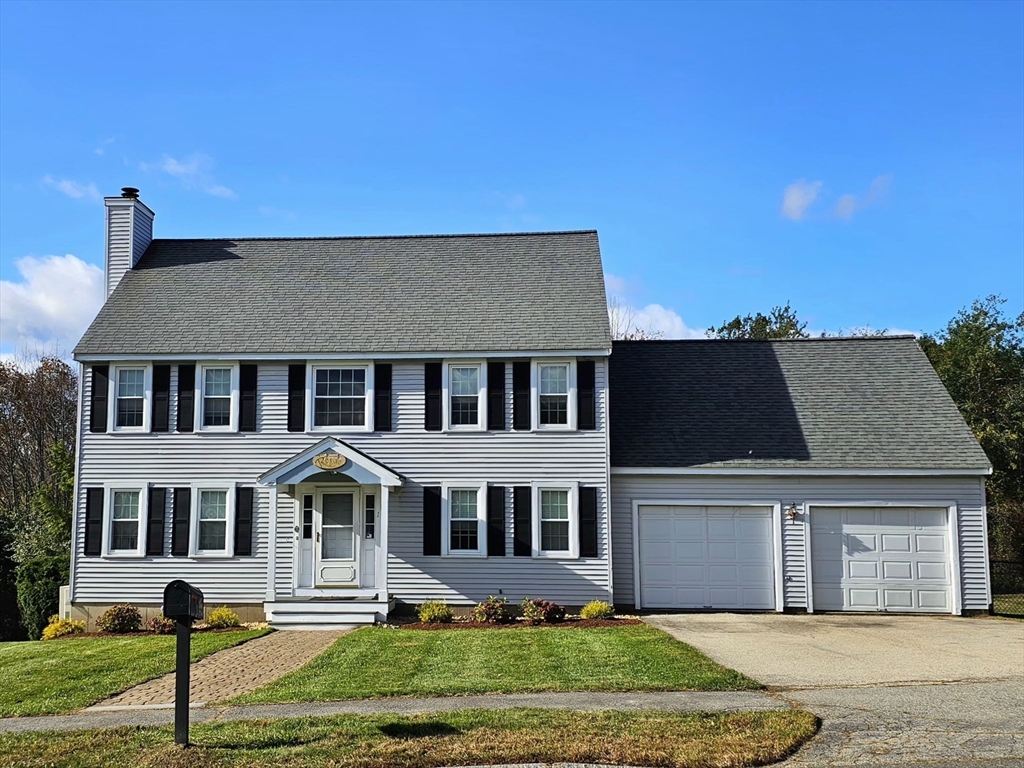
688, 701
231, 672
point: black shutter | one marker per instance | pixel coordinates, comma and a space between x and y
496, 521
297, 397
98, 400
382, 397
161, 418
179, 526
431, 520
432, 389
588, 522
93, 521
586, 401
248, 373
243, 522
496, 396
155, 523
521, 395
522, 521
186, 397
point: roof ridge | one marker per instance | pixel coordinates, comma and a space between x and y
383, 237
888, 337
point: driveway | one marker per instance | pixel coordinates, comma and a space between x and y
890, 690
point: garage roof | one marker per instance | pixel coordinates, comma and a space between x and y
870, 403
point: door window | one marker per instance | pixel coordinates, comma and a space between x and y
338, 531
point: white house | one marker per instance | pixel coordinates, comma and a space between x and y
312, 430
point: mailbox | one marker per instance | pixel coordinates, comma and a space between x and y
182, 601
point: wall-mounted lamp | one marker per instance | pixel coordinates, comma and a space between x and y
792, 512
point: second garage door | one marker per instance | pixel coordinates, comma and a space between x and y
706, 557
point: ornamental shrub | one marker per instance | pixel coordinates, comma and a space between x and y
160, 625
59, 627
222, 618
435, 612
38, 584
597, 609
536, 611
493, 610
119, 619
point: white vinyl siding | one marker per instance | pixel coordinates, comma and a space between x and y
967, 492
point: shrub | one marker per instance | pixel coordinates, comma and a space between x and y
597, 609
160, 625
435, 612
59, 627
222, 618
120, 618
38, 584
493, 610
535, 611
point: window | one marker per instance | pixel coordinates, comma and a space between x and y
465, 393
124, 523
554, 394
464, 521
213, 521
217, 397
369, 521
340, 397
556, 520
131, 396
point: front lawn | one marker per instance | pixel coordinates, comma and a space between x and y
469, 737
375, 662
47, 677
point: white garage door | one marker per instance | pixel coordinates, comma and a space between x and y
706, 557
884, 559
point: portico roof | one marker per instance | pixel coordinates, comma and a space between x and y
331, 455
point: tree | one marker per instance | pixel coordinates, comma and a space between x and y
780, 323
623, 320
980, 358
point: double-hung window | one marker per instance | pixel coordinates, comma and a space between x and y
553, 381
129, 394
465, 521
213, 510
124, 522
556, 521
465, 386
217, 397
341, 397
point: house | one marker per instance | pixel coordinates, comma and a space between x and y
314, 430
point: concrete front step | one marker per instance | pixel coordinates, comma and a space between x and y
321, 614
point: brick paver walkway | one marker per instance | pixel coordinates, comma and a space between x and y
233, 671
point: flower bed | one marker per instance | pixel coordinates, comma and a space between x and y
567, 623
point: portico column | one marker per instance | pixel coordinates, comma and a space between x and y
382, 545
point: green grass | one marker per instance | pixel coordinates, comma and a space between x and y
376, 662
47, 677
1008, 605
469, 737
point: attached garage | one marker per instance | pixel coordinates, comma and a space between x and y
707, 556
881, 559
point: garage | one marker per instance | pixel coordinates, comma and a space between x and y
716, 557
881, 559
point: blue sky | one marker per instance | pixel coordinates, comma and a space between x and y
864, 161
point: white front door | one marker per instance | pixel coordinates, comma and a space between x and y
336, 546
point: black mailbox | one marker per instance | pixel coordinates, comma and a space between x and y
183, 601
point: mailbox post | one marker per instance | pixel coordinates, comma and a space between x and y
184, 604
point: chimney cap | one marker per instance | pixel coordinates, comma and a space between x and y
130, 192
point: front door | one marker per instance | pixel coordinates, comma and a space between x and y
336, 541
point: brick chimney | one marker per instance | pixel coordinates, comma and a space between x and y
129, 232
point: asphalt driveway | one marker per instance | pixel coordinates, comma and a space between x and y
891, 690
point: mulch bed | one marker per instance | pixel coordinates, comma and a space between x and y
146, 634
567, 624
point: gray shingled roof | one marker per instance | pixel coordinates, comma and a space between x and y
434, 293
862, 403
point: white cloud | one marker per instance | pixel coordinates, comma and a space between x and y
73, 189
194, 172
615, 285
798, 197
667, 322
220, 191
102, 147
848, 205
52, 305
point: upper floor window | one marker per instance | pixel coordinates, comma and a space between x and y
130, 406
339, 398
464, 384
554, 393
217, 397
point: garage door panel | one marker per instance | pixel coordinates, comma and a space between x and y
720, 557
871, 559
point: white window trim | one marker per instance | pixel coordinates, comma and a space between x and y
200, 405
481, 519
535, 396
311, 369
147, 404
481, 403
229, 540
108, 520
573, 552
